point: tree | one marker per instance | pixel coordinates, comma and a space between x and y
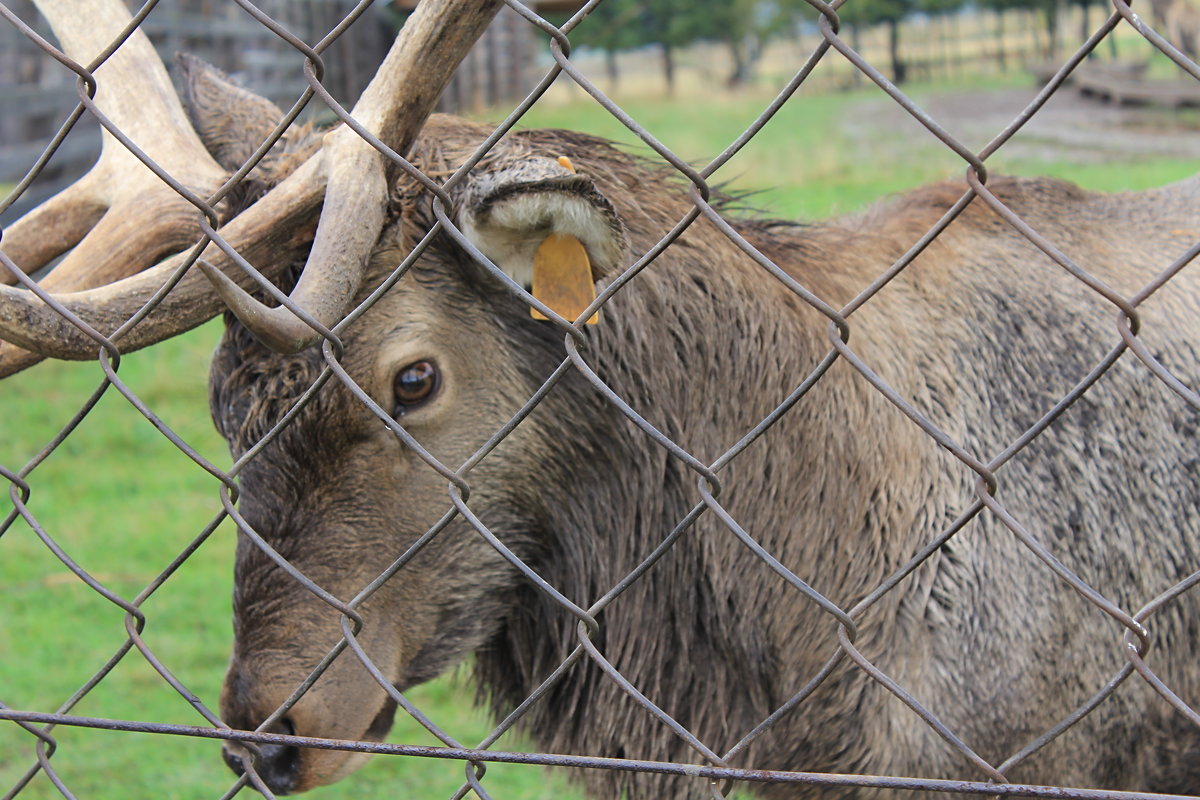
612, 27
1000, 8
942, 11
671, 24
1179, 21
882, 12
617, 25
745, 27
1049, 10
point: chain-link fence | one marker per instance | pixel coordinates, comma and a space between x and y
36, 94
884, 505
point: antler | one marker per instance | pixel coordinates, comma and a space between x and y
134, 92
121, 217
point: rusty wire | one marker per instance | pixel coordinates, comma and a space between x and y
717, 766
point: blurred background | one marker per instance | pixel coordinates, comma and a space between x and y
123, 502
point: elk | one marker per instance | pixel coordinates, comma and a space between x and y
944, 532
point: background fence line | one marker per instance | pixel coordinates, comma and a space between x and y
232, 42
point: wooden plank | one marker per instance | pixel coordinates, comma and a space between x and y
1171, 94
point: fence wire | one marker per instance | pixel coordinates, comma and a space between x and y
723, 766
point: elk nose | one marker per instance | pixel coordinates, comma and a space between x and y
277, 764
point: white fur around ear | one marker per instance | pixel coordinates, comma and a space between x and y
507, 214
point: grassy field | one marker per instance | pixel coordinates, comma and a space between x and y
808, 163
123, 502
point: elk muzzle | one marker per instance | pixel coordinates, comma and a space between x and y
345, 703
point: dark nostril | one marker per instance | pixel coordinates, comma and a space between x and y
278, 765
235, 754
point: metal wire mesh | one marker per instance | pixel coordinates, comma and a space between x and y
726, 767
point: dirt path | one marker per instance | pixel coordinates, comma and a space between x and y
1068, 128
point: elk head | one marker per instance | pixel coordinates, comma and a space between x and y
322, 521
353, 491
169, 179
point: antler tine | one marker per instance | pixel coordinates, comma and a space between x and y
275, 231
393, 107
120, 217
52, 228
102, 208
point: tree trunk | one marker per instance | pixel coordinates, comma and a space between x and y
1179, 21
737, 52
610, 67
899, 68
856, 77
668, 62
1033, 26
746, 55
955, 49
936, 50
1051, 11
1000, 45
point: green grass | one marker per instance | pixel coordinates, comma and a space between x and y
795, 166
806, 165
123, 501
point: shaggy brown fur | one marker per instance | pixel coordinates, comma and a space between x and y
982, 334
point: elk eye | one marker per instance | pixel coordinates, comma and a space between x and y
414, 385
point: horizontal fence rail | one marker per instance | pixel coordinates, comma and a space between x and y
333, 374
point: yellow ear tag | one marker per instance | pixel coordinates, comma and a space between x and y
562, 278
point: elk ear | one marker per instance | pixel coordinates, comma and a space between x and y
510, 213
232, 121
